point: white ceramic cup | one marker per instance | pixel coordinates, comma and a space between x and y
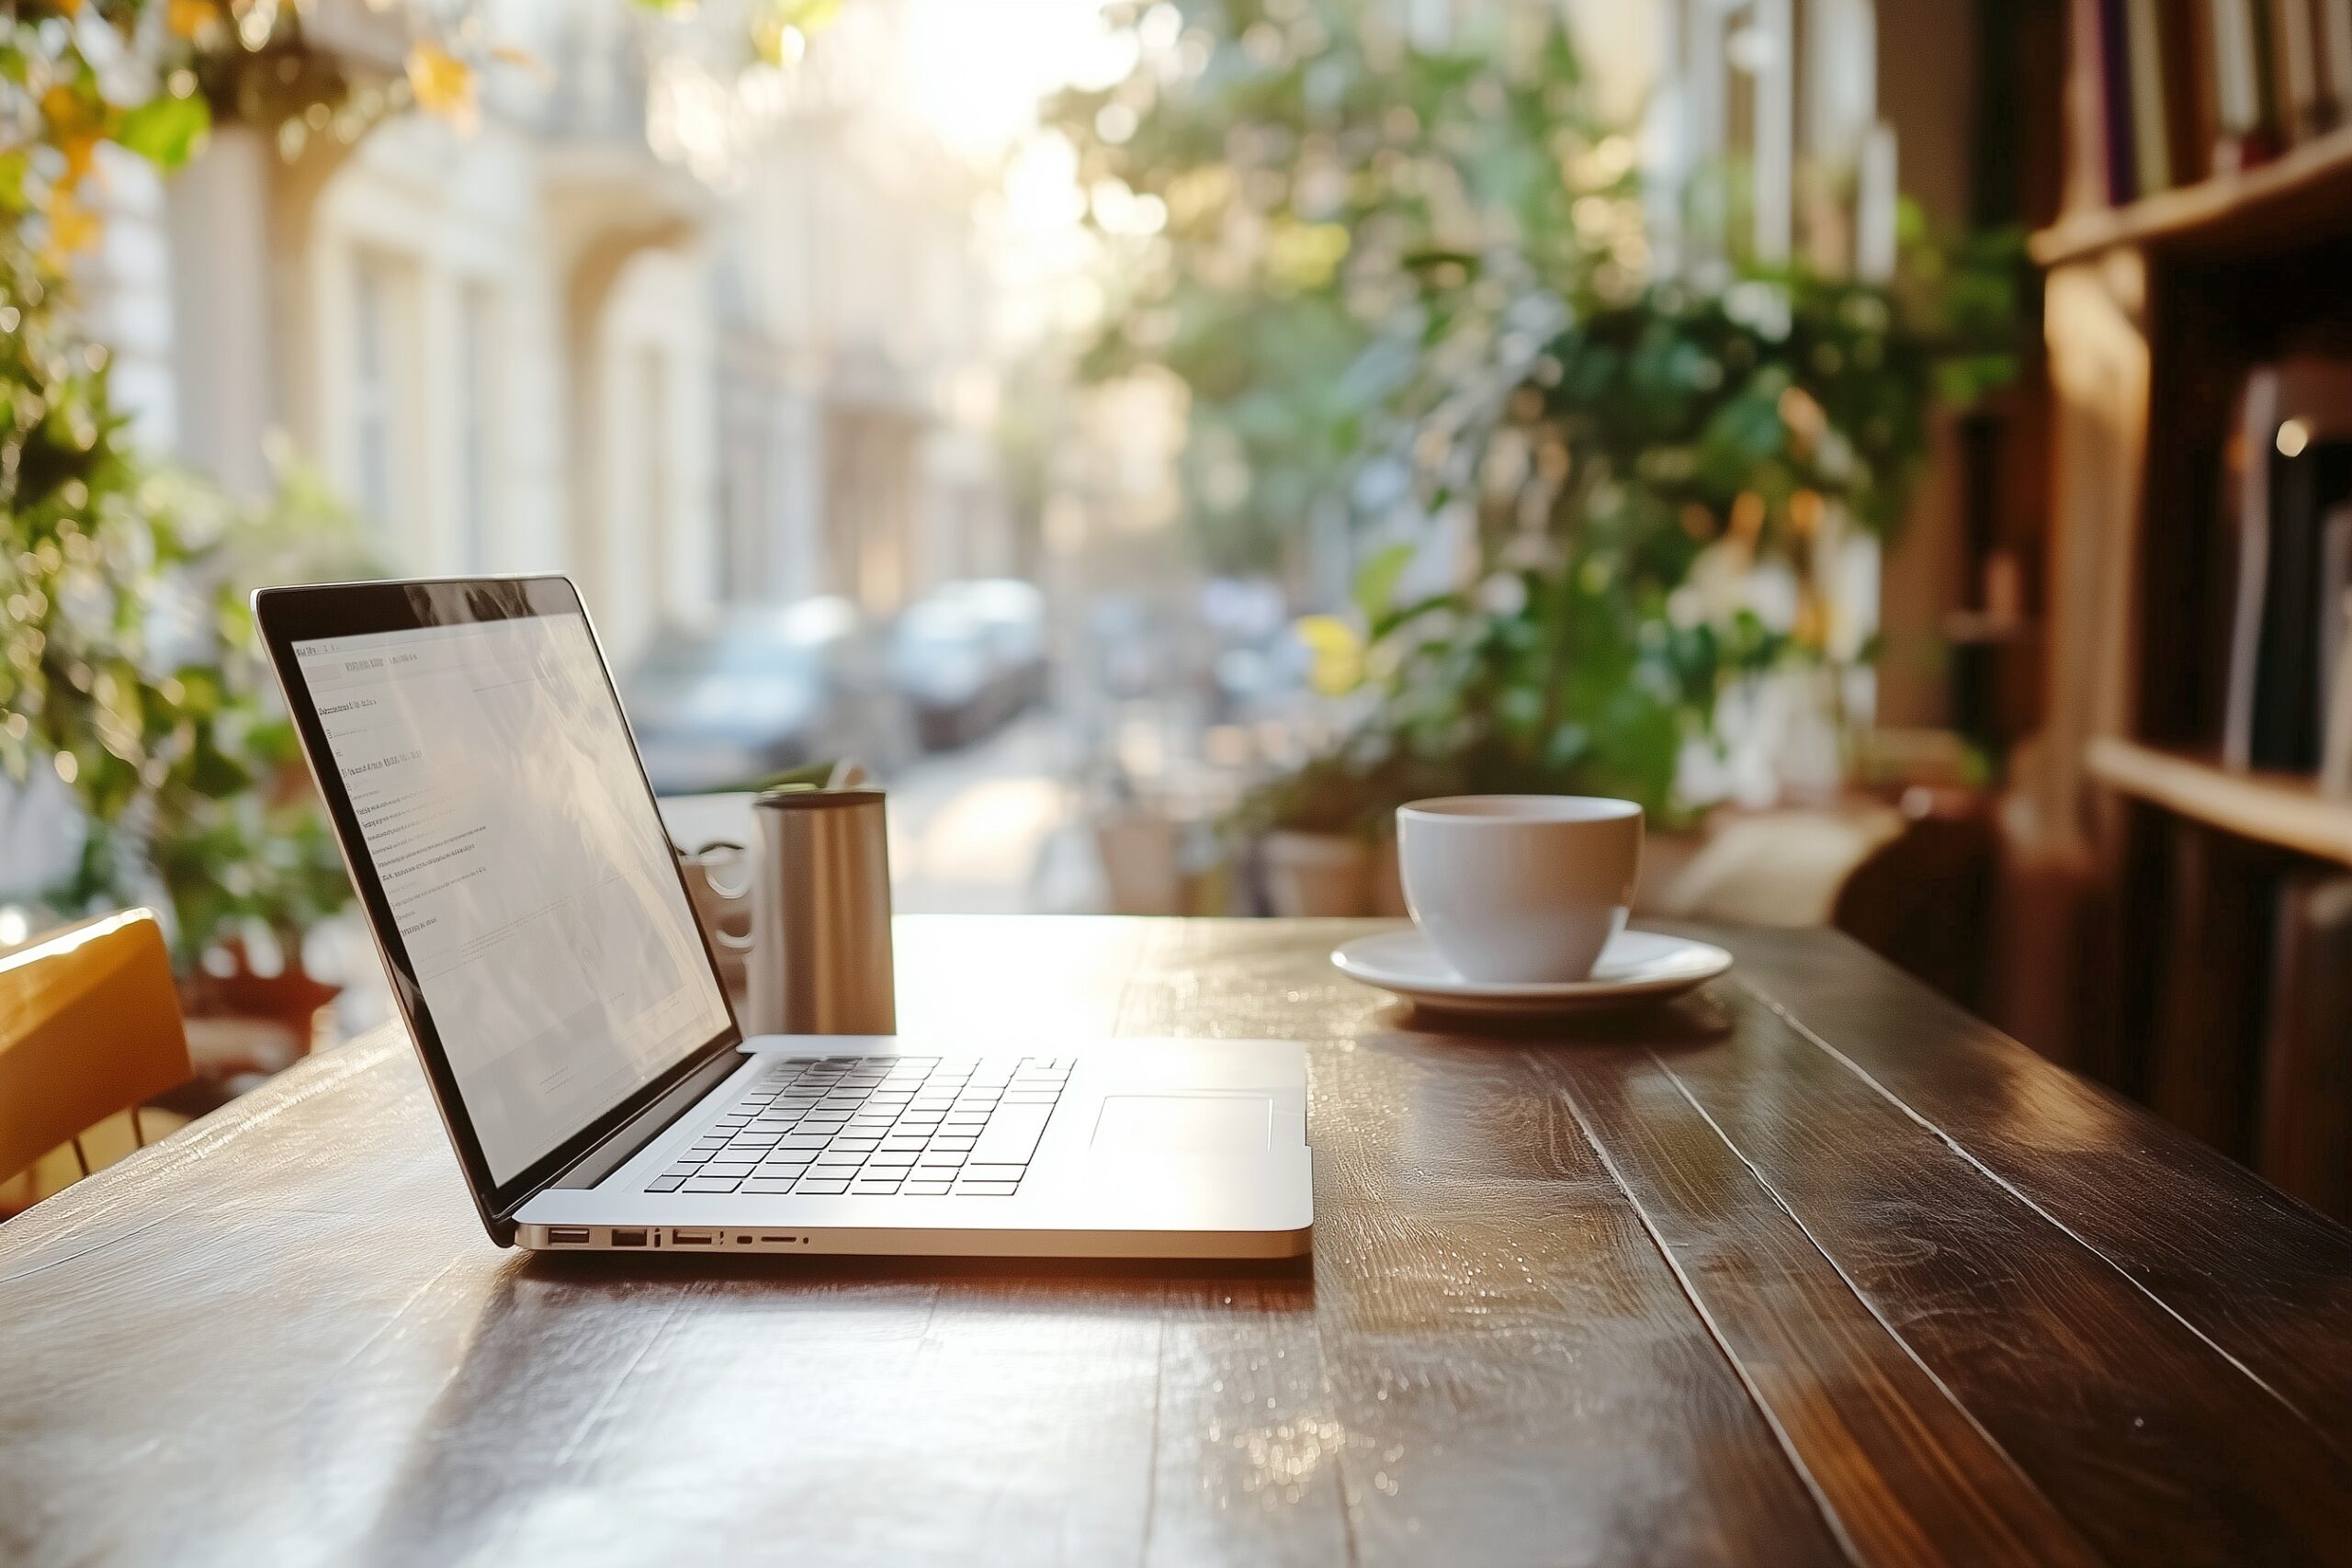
1520, 889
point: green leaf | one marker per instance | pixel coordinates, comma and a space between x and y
166, 132
1375, 588
1390, 622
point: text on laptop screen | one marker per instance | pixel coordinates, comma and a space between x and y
526, 869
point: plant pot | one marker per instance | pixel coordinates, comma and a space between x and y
1139, 849
1317, 873
242, 1027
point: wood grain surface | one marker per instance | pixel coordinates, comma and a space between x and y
1811, 1268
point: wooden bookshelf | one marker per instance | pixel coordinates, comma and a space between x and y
2286, 812
2146, 891
2282, 198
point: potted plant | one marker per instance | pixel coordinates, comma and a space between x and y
1324, 835
131, 676
132, 710
1693, 474
1411, 294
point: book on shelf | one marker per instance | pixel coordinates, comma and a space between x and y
2294, 65
2336, 56
2304, 1140
2335, 654
2214, 956
2241, 139
2151, 128
2086, 168
2121, 138
2180, 90
2293, 485
2189, 90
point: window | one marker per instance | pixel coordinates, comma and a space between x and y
375, 394
653, 388
477, 404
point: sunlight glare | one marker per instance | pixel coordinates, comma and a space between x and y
978, 71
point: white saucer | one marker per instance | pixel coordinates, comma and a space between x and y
1635, 966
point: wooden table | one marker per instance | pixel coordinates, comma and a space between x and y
1811, 1268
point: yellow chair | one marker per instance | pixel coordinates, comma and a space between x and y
89, 1031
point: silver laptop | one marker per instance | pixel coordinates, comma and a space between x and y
501, 836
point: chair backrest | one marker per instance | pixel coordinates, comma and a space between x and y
1923, 898
89, 1026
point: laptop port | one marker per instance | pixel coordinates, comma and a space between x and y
566, 1235
629, 1238
695, 1238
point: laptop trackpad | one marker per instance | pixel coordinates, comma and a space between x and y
1226, 1123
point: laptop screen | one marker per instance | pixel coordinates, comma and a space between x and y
502, 809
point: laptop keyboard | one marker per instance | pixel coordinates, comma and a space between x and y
924, 1126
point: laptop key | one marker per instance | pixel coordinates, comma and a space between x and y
771, 1184
818, 1189
925, 1189
873, 1188
985, 1188
993, 1172
713, 1184
736, 1169
1012, 1136
664, 1183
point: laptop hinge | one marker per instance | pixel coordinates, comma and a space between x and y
649, 1123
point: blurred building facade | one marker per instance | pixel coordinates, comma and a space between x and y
536, 343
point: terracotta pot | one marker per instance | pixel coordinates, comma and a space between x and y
1139, 849
243, 1025
1317, 873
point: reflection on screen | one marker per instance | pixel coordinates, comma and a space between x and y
525, 864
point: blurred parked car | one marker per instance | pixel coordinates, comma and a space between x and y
970, 656
1125, 654
1013, 614
763, 690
